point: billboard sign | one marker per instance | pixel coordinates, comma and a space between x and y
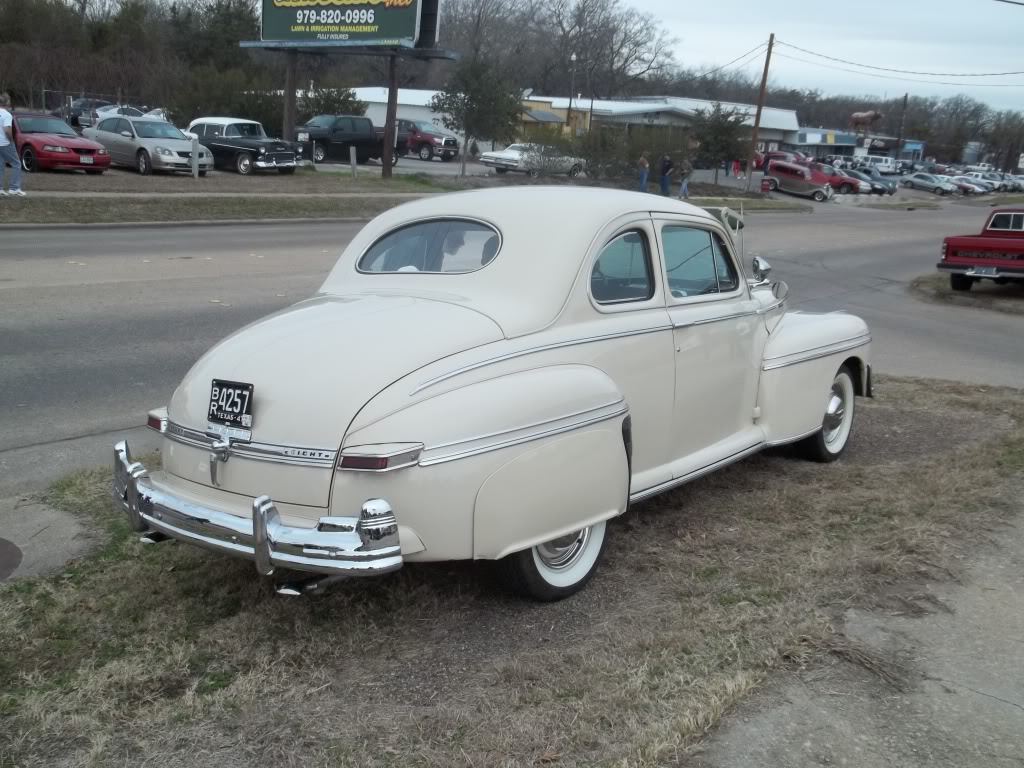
344, 22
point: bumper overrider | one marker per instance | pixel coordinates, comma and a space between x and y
336, 547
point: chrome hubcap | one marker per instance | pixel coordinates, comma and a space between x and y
320, 154
835, 413
563, 552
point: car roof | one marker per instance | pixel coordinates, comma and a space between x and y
222, 121
1008, 210
546, 233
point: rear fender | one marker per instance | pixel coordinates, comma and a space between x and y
523, 457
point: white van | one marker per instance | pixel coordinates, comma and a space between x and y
882, 163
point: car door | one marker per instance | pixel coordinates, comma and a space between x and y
341, 134
719, 341
119, 145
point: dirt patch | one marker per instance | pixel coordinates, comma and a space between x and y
141, 654
984, 294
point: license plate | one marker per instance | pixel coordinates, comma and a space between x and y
230, 404
984, 271
86, 159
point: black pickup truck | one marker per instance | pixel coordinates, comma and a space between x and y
332, 135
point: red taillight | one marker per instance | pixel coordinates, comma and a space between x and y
371, 463
157, 420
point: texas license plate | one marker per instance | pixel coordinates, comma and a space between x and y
86, 159
984, 271
230, 404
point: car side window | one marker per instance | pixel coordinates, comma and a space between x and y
1001, 221
199, 130
122, 125
1018, 222
622, 273
106, 125
214, 131
696, 263
343, 124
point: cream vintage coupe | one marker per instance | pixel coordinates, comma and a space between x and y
493, 375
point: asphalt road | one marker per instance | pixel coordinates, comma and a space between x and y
98, 326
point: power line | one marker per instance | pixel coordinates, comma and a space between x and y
901, 71
1011, 2
901, 79
757, 49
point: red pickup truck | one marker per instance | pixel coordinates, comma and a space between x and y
996, 254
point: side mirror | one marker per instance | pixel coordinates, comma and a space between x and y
760, 269
780, 290
126, 134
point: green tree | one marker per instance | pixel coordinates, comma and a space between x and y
478, 101
721, 136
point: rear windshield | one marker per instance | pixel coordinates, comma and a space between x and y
439, 246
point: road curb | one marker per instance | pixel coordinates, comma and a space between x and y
184, 223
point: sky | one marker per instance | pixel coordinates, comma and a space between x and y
949, 36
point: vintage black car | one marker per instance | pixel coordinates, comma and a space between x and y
244, 146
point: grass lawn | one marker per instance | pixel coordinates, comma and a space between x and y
168, 655
305, 180
51, 210
984, 294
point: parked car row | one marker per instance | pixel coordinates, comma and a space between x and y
972, 183
149, 143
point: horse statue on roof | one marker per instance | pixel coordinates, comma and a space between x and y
861, 122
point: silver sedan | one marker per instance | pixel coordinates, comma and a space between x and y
929, 183
148, 145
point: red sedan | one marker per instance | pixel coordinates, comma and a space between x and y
44, 141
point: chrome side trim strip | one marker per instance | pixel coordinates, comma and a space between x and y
278, 454
735, 316
524, 438
816, 353
788, 440
585, 412
522, 352
673, 483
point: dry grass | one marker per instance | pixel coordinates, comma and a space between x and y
305, 181
984, 294
170, 656
49, 210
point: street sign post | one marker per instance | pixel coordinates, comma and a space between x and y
344, 23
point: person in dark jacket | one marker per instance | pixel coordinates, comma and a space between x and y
667, 166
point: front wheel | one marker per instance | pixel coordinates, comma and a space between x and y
908, 184
575, 171
828, 443
819, 196
558, 568
243, 163
143, 163
939, 191
772, 185
426, 152
319, 153
28, 160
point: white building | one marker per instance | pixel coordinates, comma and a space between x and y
778, 126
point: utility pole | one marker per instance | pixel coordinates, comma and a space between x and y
757, 115
903, 120
387, 156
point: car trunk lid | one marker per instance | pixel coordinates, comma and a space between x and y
312, 367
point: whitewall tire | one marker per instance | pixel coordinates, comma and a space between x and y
558, 568
828, 443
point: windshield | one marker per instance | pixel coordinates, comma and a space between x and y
248, 130
321, 121
516, 148
451, 246
154, 129
45, 125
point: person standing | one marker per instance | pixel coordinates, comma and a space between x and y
643, 167
667, 167
685, 171
8, 150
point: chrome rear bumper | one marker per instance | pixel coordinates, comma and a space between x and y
356, 546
